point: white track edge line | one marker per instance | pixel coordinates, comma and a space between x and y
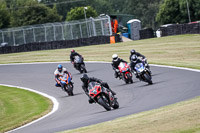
174, 67
55, 105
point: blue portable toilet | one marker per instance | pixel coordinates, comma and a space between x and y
134, 27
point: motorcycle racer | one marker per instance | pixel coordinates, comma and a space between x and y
72, 56
86, 80
60, 72
115, 63
137, 54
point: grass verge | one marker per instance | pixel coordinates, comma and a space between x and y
18, 107
183, 117
182, 51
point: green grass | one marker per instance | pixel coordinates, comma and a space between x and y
18, 107
182, 51
182, 117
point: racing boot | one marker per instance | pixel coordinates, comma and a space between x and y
57, 85
116, 75
90, 100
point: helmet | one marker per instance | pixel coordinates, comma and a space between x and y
84, 78
72, 51
115, 57
134, 58
132, 51
60, 67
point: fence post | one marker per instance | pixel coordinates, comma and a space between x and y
45, 32
81, 30
90, 34
24, 37
62, 32
109, 22
34, 39
94, 28
13, 37
71, 31
102, 28
54, 31
3, 37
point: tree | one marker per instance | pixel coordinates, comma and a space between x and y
4, 15
63, 6
34, 13
175, 11
143, 10
78, 13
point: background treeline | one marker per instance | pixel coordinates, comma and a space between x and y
152, 13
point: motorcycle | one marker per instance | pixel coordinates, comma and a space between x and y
125, 72
143, 72
79, 64
102, 96
66, 80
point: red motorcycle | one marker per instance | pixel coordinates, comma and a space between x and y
125, 72
102, 96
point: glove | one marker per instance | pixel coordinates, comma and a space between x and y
144, 59
117, 70
103, 83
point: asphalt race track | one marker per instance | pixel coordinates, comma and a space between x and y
170, 86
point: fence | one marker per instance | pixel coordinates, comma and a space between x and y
90, 27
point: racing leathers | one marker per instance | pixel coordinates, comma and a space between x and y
72, 57
58, 74
115, 65
137, 54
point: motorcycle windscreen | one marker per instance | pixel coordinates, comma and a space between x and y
139, 67
122, 65
91, 85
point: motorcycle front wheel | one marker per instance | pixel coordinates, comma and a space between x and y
148, 78
103, 103
70, 89
116, 104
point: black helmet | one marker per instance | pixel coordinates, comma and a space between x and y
84, 78
132, 51
60, 67
134, 58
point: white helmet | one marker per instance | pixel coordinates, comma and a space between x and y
115, 57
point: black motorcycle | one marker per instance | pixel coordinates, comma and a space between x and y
79, 64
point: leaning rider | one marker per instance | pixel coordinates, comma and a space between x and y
72, 56
86, 80
134, 53
60, 71
115, 63
134, 60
